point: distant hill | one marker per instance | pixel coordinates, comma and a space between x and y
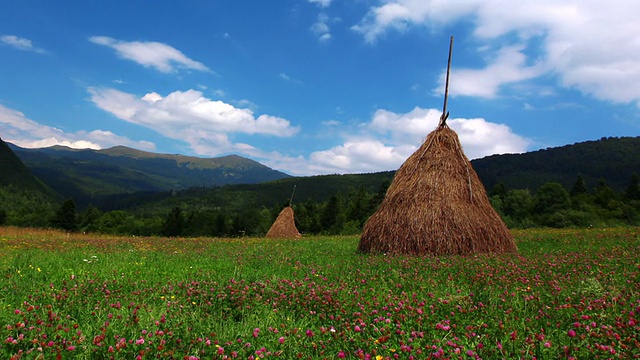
16, 175
124, 178
612, 159
86, 174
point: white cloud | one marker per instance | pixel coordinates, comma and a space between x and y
162, 57
591, 46
321, 28
17, 129
188, 116
508, 66
388, 139
19, 43
321, 3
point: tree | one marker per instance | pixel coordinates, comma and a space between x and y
3, 216
65, 217
604, 196
333, 216
551, 197
499, 190
88, 218
579, 187
633, 189
174, 222
517, 206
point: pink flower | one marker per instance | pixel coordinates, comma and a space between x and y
71, 348
281, 340
256, 331
571, 333
140, 341
547, 344
356, 328
220, 350
341, 355
309, 333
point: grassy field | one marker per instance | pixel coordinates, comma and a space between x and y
567, 294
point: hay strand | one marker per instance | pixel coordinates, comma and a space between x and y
436, 205
284, 226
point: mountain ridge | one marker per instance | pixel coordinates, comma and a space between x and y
84, 174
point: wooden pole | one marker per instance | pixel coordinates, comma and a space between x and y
445, 114
293, 192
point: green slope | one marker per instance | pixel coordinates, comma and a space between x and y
89, 174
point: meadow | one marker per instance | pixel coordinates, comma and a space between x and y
566, 294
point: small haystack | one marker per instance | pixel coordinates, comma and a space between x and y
285, 225
436, 205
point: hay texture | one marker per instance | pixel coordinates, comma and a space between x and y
436, 205
284, 226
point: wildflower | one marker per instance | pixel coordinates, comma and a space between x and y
309, 333
356, 328
547, 344
571, 333
220, 350
281, 340
256, 331
140, 341
341, 355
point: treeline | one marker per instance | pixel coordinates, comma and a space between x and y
551, 205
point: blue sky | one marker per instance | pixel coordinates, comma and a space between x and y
317, 86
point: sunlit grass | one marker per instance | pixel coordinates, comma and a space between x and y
567, 293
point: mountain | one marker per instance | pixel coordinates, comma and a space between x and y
16, 175
124, 178
86, 174
611, 159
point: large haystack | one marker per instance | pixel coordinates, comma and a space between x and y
436, 205
284, 226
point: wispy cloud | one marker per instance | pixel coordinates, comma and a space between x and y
321, 3
588, 46
20, 43
162, 57
288, 78
321, 28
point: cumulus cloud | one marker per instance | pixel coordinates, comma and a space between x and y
19, 43
388, 139
162, 57
590, 46
17, 129
188, 116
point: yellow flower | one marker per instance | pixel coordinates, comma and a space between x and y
379, 357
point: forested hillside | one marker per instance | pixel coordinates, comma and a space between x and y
24, 199
587, 184
88, 175
613, 160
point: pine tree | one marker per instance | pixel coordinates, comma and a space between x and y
174, 222
65, 218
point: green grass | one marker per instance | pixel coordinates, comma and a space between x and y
86, 296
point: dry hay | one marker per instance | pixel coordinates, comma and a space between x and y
284, 226
436, 205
